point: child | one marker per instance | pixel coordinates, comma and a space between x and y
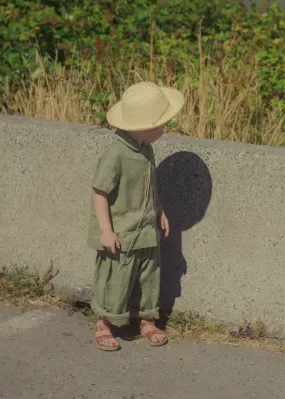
126, 216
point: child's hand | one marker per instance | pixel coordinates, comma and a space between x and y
110, 241
164, 224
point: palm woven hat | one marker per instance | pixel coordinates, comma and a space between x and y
145, 106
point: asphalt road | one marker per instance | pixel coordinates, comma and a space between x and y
47, 354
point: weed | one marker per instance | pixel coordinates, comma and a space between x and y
19, 285
191, 325
23, 288
185, 325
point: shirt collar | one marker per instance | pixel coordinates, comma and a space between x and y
129, 141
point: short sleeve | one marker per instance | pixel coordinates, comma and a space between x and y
107, 173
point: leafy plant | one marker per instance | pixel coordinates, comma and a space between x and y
212, 49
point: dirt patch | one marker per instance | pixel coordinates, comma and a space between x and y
22, 288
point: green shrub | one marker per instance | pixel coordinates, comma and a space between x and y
162, 32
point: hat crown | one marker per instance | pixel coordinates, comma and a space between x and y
143, 103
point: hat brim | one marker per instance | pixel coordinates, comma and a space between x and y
176, 102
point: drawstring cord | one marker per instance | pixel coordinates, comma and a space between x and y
135, 235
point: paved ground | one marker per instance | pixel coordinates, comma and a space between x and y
48, 354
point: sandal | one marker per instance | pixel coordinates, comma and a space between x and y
100, 340
149, 334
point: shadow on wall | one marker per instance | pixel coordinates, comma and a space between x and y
185, 189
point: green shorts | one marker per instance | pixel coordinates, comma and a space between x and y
127, 285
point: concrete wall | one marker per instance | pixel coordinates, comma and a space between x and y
225, 257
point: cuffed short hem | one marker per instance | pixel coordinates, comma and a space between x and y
118, 320
146, 314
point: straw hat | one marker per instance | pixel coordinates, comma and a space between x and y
145, 106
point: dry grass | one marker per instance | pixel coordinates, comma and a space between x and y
223, 98
191, 326
23, 288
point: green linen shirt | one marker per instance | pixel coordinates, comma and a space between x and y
122, 173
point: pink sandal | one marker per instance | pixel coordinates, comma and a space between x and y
149, 334
99, 340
